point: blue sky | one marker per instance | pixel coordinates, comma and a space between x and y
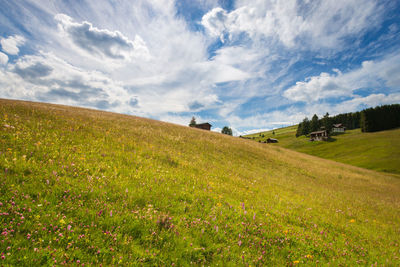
249, 64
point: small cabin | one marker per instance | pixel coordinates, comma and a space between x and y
319, 136
272, 140
338, 128
204, 126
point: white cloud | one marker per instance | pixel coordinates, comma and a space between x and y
47, 78
103, 42
11, 44
313, 24
380, 73
3, 58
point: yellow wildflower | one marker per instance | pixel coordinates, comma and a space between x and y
352, 221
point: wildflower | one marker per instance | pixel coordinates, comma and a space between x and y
28, 236
296, 262
352, 221
308, 256
69, 227
62, 221
240, 243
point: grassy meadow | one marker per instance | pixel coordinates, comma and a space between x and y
378, 151
84, 187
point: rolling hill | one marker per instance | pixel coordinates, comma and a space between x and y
378, 151
81, 186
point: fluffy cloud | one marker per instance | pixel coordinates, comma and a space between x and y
46, 77
111, 44
3, 58
379, 74
11, 44
312, 24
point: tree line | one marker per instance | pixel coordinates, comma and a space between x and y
380, 118
349, 120
369, 120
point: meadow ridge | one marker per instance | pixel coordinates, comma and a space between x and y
86, 187
379, 151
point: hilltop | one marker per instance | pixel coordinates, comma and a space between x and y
378, 151
81, 186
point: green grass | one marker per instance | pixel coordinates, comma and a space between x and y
378, 151
82, 186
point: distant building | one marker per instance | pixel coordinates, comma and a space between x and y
319, 136
338, 128
272, 140
204, 126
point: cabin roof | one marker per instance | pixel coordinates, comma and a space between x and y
339, 125
205, 123
317, 132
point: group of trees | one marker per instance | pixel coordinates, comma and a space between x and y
225, 130
348, 120
369, 120
380, 118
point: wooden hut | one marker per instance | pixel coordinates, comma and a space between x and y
319, 136
338, 128
204, 126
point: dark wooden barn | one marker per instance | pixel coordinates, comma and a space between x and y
204, 126
319, 136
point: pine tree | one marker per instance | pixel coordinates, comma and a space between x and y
299, 129
306, 126
314, 125
192, 122
327, 122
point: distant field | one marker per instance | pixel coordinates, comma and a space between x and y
378, 151
79, 186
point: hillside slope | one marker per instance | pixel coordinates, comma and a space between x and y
86, 187
379, 151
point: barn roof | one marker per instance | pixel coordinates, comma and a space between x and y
205, 123
317, 132
339, 125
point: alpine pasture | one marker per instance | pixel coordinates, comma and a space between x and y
85, 187
379, 151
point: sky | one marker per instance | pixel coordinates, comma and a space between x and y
251, 65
